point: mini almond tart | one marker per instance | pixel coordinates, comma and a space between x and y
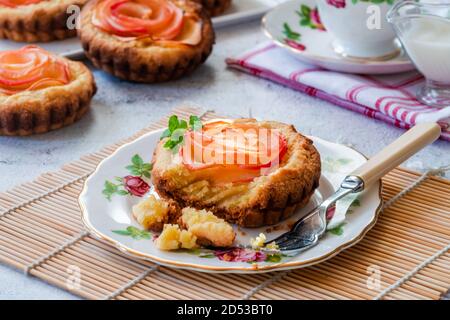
215, 7
37, 20
126, 39
40, 92
248, 195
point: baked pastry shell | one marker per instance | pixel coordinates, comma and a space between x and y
143, 60
39, 111
41, 22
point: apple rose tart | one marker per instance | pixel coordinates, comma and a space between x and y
247, 172
38, 20
215, 7
146, 40
40, 92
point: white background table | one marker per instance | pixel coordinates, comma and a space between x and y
120, 108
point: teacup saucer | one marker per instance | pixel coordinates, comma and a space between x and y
295, 25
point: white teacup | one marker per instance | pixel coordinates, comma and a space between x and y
359, 28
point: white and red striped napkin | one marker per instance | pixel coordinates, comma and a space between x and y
390, 98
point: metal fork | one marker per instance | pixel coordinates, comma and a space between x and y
307, 231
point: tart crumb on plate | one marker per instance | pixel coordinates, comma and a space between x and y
173, 238
195, 227
209, 229
151, 213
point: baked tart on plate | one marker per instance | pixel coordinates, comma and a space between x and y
251, 173
40, 91
146, 40
37, 20
215, 7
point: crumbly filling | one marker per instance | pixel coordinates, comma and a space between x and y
258, 242
151, 213
172, 238
199, 226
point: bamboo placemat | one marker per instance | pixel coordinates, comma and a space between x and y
41, 233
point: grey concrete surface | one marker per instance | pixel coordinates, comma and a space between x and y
121, 108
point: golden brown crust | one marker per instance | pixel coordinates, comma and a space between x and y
41, 22
32, 112
215, 7
143, 60
268, 200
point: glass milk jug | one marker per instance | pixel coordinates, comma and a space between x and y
424, 30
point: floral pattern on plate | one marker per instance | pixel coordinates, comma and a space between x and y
133, 184
135, 233
341, 4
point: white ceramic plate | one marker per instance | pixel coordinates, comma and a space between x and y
239, 12
112, 220
309, 43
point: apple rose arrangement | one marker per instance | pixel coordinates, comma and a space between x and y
31, 68
16, 3
160, 20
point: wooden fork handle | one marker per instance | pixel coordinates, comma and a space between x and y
397, 152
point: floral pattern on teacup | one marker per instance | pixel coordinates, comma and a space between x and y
292, 38
309, 17
340, 4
